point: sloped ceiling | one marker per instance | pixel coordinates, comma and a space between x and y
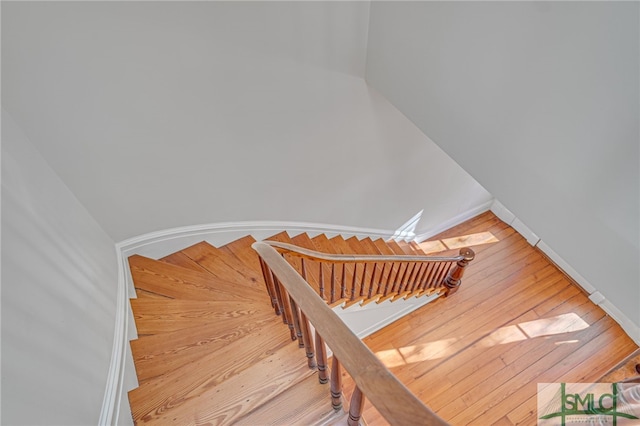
166, 114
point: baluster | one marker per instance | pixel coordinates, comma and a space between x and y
287, 318
296, 321
266, 273
417, 275
436, 274
276, 285
386, 288
396, 283
321, 281
333, 282
353, 283
453, 280
336, 384
363, 279
306, 339
355, 407
402, 281
423, 275
427, 276
321, 359
343, 282
384, 267
442, 275
373, 276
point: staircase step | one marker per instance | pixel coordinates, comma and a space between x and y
307, 403
222, 265
177, 282
241, 249
174, 394
162, 353
281, 237
226, 400
181, 259
156, 316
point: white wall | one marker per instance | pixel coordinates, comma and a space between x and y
166, 114
539, 101
59, 275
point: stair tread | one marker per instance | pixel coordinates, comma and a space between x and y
181, 259
241, 249
174, 391
162, 353
226, 401
175, 281
281, 237
155, 316
308, 402
221, 264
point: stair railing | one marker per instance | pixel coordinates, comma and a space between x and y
303, 307
346, 280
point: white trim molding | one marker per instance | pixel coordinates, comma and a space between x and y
629, 327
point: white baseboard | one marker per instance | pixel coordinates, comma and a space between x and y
629, 327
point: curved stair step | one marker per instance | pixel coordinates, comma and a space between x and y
178, 282
155, 316
174, 392
306, 403
221, 264
162, 353
225, 401
241, 249
180, 259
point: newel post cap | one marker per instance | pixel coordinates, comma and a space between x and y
467, 253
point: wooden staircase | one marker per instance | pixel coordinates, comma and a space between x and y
210, 348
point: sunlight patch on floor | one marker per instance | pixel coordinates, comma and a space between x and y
470, 240
544, 327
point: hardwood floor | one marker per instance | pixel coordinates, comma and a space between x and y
476, 357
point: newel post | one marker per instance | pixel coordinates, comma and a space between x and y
452, 282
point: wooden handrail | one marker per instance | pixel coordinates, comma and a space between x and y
390, 397
356, 258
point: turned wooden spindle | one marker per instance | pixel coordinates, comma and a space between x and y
296, 321
306, 339
321, 359
452, 282
336, 384
355, 407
